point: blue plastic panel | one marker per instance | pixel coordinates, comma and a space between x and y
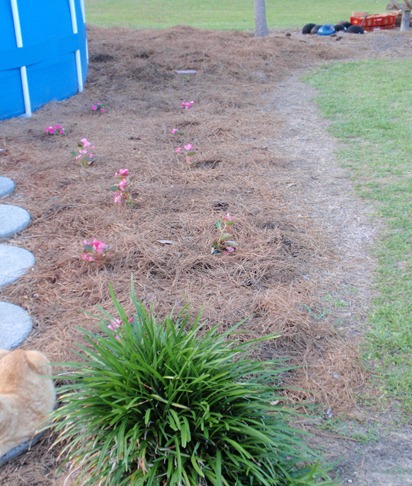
11, 96
48, 52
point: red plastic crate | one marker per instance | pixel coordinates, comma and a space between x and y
374, 22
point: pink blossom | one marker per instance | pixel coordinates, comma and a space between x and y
102, 110
186, 104
53, 130
115, 324
228, 217
94, 107
173, 130
229, 249
118, 197
122, 173
188, 146
99, 246
94, 250
85, 142
122, 184
178, 149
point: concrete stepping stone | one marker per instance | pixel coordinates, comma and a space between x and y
6, 186
13, 219
15, 325
14, 262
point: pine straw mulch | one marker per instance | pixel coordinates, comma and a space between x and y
235, 169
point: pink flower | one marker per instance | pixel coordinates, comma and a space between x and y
228, 217
188, 147
118, 197
186, 104
85, 142
229, 249
94, 107
56, 129
115, 324
178, 149
122, 184
99, 246
122, 173
173, 130
102, 110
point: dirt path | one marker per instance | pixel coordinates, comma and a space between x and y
321, 190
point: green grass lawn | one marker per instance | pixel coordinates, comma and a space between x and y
373, 117
221, 14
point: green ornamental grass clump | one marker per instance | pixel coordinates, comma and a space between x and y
166, 403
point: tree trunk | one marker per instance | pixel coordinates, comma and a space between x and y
406, 20
261, 26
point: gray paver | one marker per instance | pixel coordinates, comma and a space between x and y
6, 186
14, 262
13, 219
15, 325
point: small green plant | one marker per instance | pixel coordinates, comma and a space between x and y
121, 191
84, 154
167, 403
224, 243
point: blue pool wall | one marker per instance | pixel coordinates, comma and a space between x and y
51, 61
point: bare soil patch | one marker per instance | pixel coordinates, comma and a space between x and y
250, 126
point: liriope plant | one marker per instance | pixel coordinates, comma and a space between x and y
169, 403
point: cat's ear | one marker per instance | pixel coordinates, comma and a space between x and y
3, 353
38, 362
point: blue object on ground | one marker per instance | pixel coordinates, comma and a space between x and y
327, 29
43, 53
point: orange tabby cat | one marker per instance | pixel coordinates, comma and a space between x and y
27, 396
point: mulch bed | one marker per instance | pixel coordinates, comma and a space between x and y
234, 170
